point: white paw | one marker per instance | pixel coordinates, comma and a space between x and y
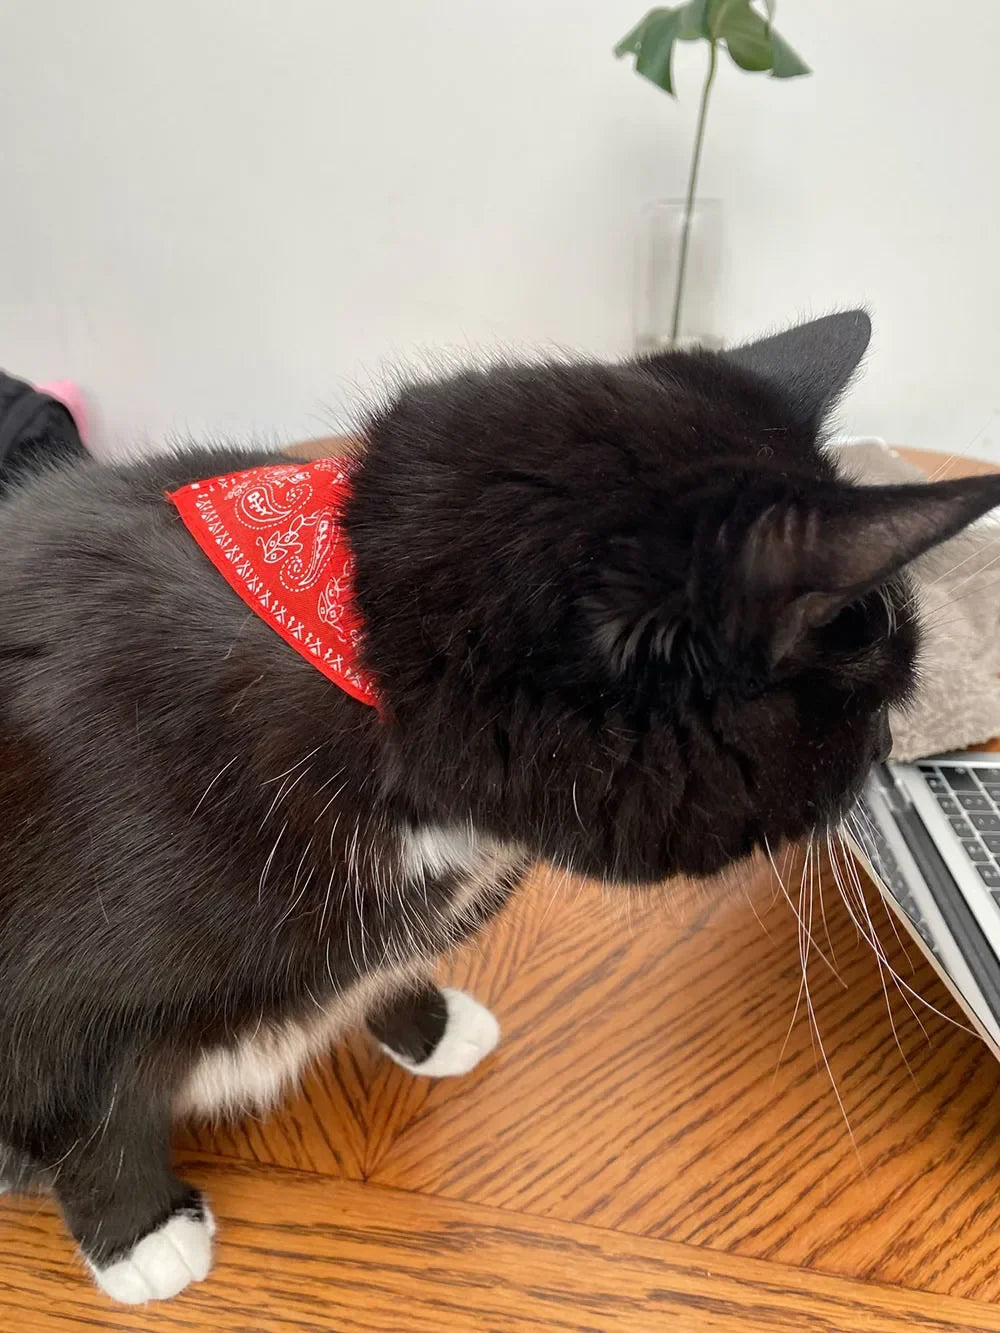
162, 1263
471, 1033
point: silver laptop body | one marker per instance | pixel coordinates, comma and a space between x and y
929, 835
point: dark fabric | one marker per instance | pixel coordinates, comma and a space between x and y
35, 431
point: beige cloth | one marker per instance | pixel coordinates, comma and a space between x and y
958, 585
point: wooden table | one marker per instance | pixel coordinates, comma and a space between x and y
656, 1145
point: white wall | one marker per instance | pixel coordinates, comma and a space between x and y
223, 216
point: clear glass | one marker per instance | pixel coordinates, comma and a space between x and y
658, 259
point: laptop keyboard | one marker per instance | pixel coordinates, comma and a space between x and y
885, 865
969, 798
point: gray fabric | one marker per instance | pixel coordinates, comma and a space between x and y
958, 585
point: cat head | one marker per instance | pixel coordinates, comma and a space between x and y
630, 615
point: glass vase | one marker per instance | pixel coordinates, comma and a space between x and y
660, 320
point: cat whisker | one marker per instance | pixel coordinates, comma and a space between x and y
931, 616
879, 957
750, 904
978, 551
897, 981
267, 864
919, 598
890, 607
852, 818
333, 832
284, 790
873, 943
558, 880
822, 908
814, 1021
993, 560
224, 769
798, 997
942, 468
784, 890
858, 813
871, 937
298, 764
942, 671
332, 778
291, 907
576, 809
246, 621
239, 695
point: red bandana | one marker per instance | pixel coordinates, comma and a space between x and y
275, 535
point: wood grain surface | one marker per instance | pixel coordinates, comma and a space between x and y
657, 1144
302, 1253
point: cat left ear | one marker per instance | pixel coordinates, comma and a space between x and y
803, 561
811, 364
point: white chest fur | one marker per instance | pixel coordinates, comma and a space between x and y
255, 1071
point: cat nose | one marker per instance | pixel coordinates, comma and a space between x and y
883, 743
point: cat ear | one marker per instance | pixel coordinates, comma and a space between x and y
801, 562
812, 364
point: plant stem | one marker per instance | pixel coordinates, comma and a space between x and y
699, 139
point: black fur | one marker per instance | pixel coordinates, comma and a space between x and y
624, 617
414, 1025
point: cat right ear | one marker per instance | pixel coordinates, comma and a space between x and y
803, 560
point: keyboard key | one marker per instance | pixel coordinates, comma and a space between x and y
990, 876
961, 826
948, 805
985, 823
993, 843
989, 777
973, 801
975, 850
960, 779
937, 783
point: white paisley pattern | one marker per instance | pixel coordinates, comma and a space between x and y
275, 533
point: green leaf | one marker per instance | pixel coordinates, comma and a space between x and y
630, 43
694, 21
718, 11
652, 44
786, 64
746, 35
751, 41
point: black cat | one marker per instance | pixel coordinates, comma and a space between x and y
624, 618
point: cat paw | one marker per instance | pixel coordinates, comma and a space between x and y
470, 1034
162, 1263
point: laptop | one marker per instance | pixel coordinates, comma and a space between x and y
928, 833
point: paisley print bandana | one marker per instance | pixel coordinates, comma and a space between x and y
275, 535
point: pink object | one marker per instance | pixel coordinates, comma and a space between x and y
71, 397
